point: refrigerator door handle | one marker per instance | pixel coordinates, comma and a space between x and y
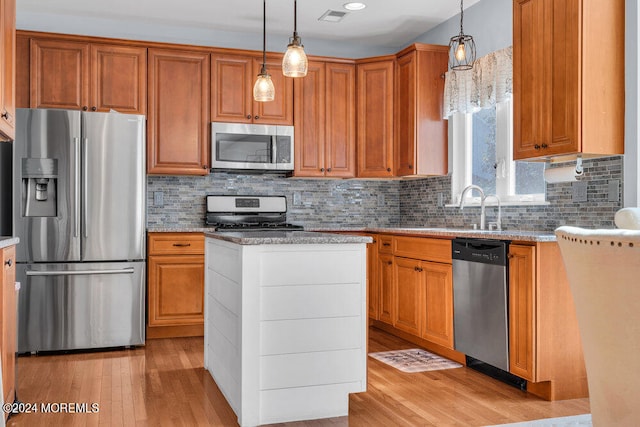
76, 213
128, 270
85, 192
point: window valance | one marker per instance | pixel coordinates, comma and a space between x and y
490, 81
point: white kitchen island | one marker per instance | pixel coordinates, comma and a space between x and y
285, 322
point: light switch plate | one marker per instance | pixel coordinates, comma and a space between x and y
158, 198
613, 190
579, 191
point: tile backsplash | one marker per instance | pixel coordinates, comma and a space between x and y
419, 207
326, 203
315, 203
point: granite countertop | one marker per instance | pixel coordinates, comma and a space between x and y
442, 232
286, 237
8, 241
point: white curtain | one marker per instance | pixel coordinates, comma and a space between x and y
489, 81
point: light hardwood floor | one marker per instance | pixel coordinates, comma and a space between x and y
165, 384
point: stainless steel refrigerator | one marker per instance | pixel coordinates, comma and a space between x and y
79, 211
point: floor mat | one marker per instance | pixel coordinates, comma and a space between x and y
414, 360
574, 421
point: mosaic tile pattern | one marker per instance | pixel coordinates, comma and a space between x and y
315, 203
418, 203
354, 203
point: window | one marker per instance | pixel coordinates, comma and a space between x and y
483, 155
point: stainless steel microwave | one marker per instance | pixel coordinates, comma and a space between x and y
267, 148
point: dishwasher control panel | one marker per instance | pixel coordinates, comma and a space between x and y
484, 251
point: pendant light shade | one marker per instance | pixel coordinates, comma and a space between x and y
263, 89
462, 48
294, 63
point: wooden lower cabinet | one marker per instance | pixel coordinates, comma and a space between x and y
437, 299
407, 284
544, 340
385, 283
9, 323
176, 285
373, 288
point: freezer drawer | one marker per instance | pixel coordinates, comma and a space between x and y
80, 306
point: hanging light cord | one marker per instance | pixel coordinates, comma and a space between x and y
263, 70
461, 16
295, 18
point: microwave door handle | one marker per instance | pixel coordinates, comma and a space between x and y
274, 149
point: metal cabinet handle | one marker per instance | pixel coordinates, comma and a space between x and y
248, 116
182, 245
321, 169
536, 147
8, 117
389, 262
94, 108
256, 117
84, 108
388, 169
545, 146
386, 244
410, 166
328, 169
205, 167
8, 262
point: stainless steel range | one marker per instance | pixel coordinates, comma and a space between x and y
248, 213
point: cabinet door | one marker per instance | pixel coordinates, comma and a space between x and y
280, 110
385, 281
310, 121
375, 119
437, 326
340, 142
405, 114
373, 284
522, 313
232, 88
119, 79
59, 74
178, 120
9, 321
176, 290
7, 69
408, 283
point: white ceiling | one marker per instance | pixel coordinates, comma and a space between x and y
385, 23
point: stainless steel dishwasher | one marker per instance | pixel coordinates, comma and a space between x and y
480, 300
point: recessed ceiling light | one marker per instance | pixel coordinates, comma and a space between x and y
354, 6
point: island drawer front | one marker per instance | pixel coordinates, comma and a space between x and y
310, 301
385, 244
427, 249
176, 243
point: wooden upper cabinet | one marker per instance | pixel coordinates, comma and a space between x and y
421, 134
232, 80
59, 74
325, 121
310, 120
119, 79
280, 110
375, 118
89, 77
568, 78
178, 119
7, 69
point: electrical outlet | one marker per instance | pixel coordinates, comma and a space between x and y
380, 200
158, 198
440, 200
579, 191
297, 198
613, 190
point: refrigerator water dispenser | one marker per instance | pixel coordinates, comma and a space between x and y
39, 187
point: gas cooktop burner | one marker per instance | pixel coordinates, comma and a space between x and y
248, 213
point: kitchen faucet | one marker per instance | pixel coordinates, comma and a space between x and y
483, 198
464, 193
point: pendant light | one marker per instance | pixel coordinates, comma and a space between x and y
294, 63
462, 49
263, 89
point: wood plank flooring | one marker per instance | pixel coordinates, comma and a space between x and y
165, 384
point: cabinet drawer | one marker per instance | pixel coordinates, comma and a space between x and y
176, 243
437, 250
385, 244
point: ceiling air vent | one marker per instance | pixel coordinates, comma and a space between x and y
332, 16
